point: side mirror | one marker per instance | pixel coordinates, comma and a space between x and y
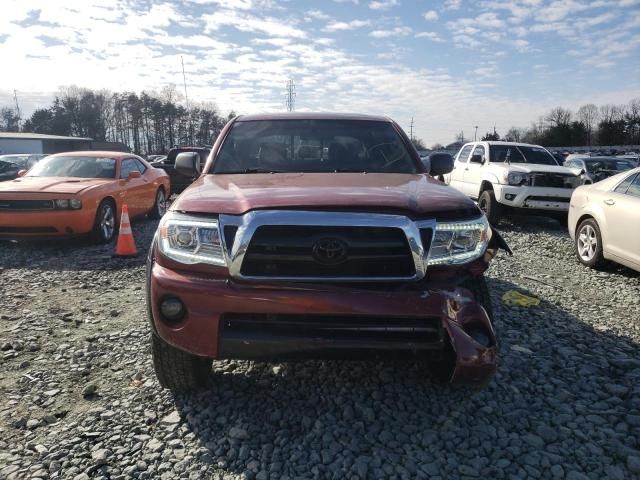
22, 173
134, 174
440, 164
188, 164
478, 159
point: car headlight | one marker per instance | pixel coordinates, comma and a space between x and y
62, 203
517, 178
459, 242
75, 203
187, 239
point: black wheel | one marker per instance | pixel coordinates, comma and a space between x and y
104, 227
478, 286
177, 370
490, 206
160, 205
589, 244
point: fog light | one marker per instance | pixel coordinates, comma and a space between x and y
509, 196
172, 309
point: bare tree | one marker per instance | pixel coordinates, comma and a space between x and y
514, 134
588, 115
559, 116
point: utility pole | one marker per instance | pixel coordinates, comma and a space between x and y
291, 96
184, 81
15, 97
411, 130
475, 135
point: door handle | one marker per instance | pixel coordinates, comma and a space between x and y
610, 202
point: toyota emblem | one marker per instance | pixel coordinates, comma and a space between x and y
330, 251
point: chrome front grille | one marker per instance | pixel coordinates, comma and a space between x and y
326, 246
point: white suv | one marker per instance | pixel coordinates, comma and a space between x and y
504, 175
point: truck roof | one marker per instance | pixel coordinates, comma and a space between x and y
312, 116
494, 142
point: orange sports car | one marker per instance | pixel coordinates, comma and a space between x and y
76, 193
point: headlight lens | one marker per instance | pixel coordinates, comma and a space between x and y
517, 178
455, 243
191, 240
75, 203
62, 203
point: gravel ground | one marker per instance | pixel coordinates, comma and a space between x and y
80, 399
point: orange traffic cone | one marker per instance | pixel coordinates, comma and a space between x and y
126, 246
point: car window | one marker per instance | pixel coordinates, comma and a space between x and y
141, 167
479, 150
505, 153
73, 166
624, 185
464, 153
314, 146
634, 188
128, 165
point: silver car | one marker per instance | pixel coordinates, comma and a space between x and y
604, 220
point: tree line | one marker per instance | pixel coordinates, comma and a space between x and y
148, 123
590, 125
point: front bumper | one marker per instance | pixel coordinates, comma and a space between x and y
210, 303
46, 223
535, 198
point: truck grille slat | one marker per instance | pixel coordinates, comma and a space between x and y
553, 180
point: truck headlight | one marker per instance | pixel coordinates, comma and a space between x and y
188, 239
459, 242
517, 178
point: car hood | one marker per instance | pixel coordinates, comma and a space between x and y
69, 185
411, 194
533, 167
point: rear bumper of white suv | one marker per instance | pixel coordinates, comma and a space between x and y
534, 198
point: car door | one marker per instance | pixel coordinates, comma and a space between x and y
621, 208
149, 188
474, 171
457, 174
132, 188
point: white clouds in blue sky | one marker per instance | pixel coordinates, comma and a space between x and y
451, 65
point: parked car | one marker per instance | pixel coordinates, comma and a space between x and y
598, 168
604, 221
357, 252
11, 164
633, 157
78, 193
506, 176
180, 182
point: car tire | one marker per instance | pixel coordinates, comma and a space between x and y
588, 244
478, 286
490, 206
105, 225
159, 206
177, 370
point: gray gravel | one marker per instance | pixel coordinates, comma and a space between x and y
80, 399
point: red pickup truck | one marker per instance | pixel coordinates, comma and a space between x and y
319, 236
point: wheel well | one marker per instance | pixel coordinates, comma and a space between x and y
584, 217
485, 185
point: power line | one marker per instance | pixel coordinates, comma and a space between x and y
291, 96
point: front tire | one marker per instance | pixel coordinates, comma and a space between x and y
104, 227
177, 370
160, 205
490, 206
589, 244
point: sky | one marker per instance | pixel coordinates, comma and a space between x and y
449, 65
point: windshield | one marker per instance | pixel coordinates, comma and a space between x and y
520, 154
82, 167
608, 164
313, 146
21, 161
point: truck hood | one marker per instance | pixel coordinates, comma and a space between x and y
532, 167
68, 185
410, 194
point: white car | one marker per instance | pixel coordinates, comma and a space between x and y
604, 220
506, 175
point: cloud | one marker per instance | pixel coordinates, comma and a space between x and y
342, 26
251, 23
394, 32
430, 35
430, 15
383, 4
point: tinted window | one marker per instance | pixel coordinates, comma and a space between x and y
609, 165
634, 188
505, 153
140, 166
83, 167
521, 154
479, 150
622, 187
464, 153
313, 146
128, 165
